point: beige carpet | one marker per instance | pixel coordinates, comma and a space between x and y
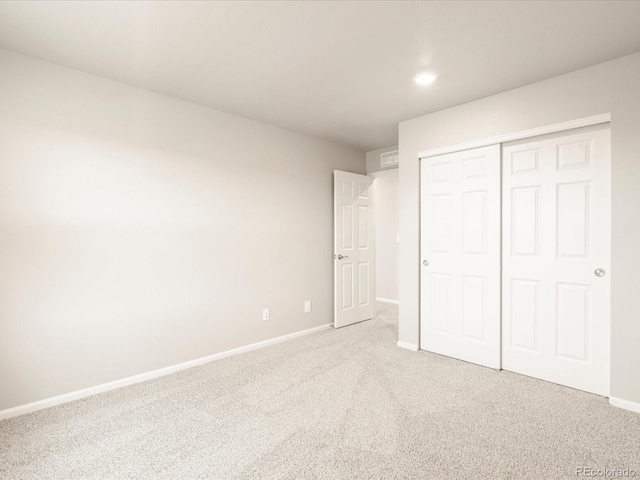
340, 404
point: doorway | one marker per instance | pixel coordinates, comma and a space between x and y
386, 199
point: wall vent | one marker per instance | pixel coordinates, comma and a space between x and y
389, 159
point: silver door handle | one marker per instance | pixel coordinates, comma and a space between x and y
340, 257
425, 263
600, 272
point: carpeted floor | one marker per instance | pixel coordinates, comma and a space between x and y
339, 404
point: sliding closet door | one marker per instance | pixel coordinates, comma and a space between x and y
460, 248
556, 258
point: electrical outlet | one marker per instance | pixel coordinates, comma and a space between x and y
307, 306
265, 314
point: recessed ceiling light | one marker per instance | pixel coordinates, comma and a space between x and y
424, 78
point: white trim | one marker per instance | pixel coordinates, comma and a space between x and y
626, 404
383, 173
509, 137
387, 300
408, 346
142, 377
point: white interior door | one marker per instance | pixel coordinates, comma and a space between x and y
353, 246
460, 249
556, 235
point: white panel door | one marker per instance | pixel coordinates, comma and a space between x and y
460, 250
353, 246
556, 235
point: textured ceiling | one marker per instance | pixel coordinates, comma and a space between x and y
335, 70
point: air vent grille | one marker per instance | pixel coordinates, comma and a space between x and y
389, 159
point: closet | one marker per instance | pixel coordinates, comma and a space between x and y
515, 251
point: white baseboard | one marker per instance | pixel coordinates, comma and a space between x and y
626, 404
105, 387
408, 346
387, 300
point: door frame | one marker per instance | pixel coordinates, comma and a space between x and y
532, 132
498, 139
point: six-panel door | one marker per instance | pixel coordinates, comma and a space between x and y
460, 248
353, 247
556, 235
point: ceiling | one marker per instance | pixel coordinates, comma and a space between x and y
341, 71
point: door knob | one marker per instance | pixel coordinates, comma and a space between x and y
340, 257
600, 272
425, 263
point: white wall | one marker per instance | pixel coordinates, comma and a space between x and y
609, 87
138, 231
386, 197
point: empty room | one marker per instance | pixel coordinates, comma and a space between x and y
319, 240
